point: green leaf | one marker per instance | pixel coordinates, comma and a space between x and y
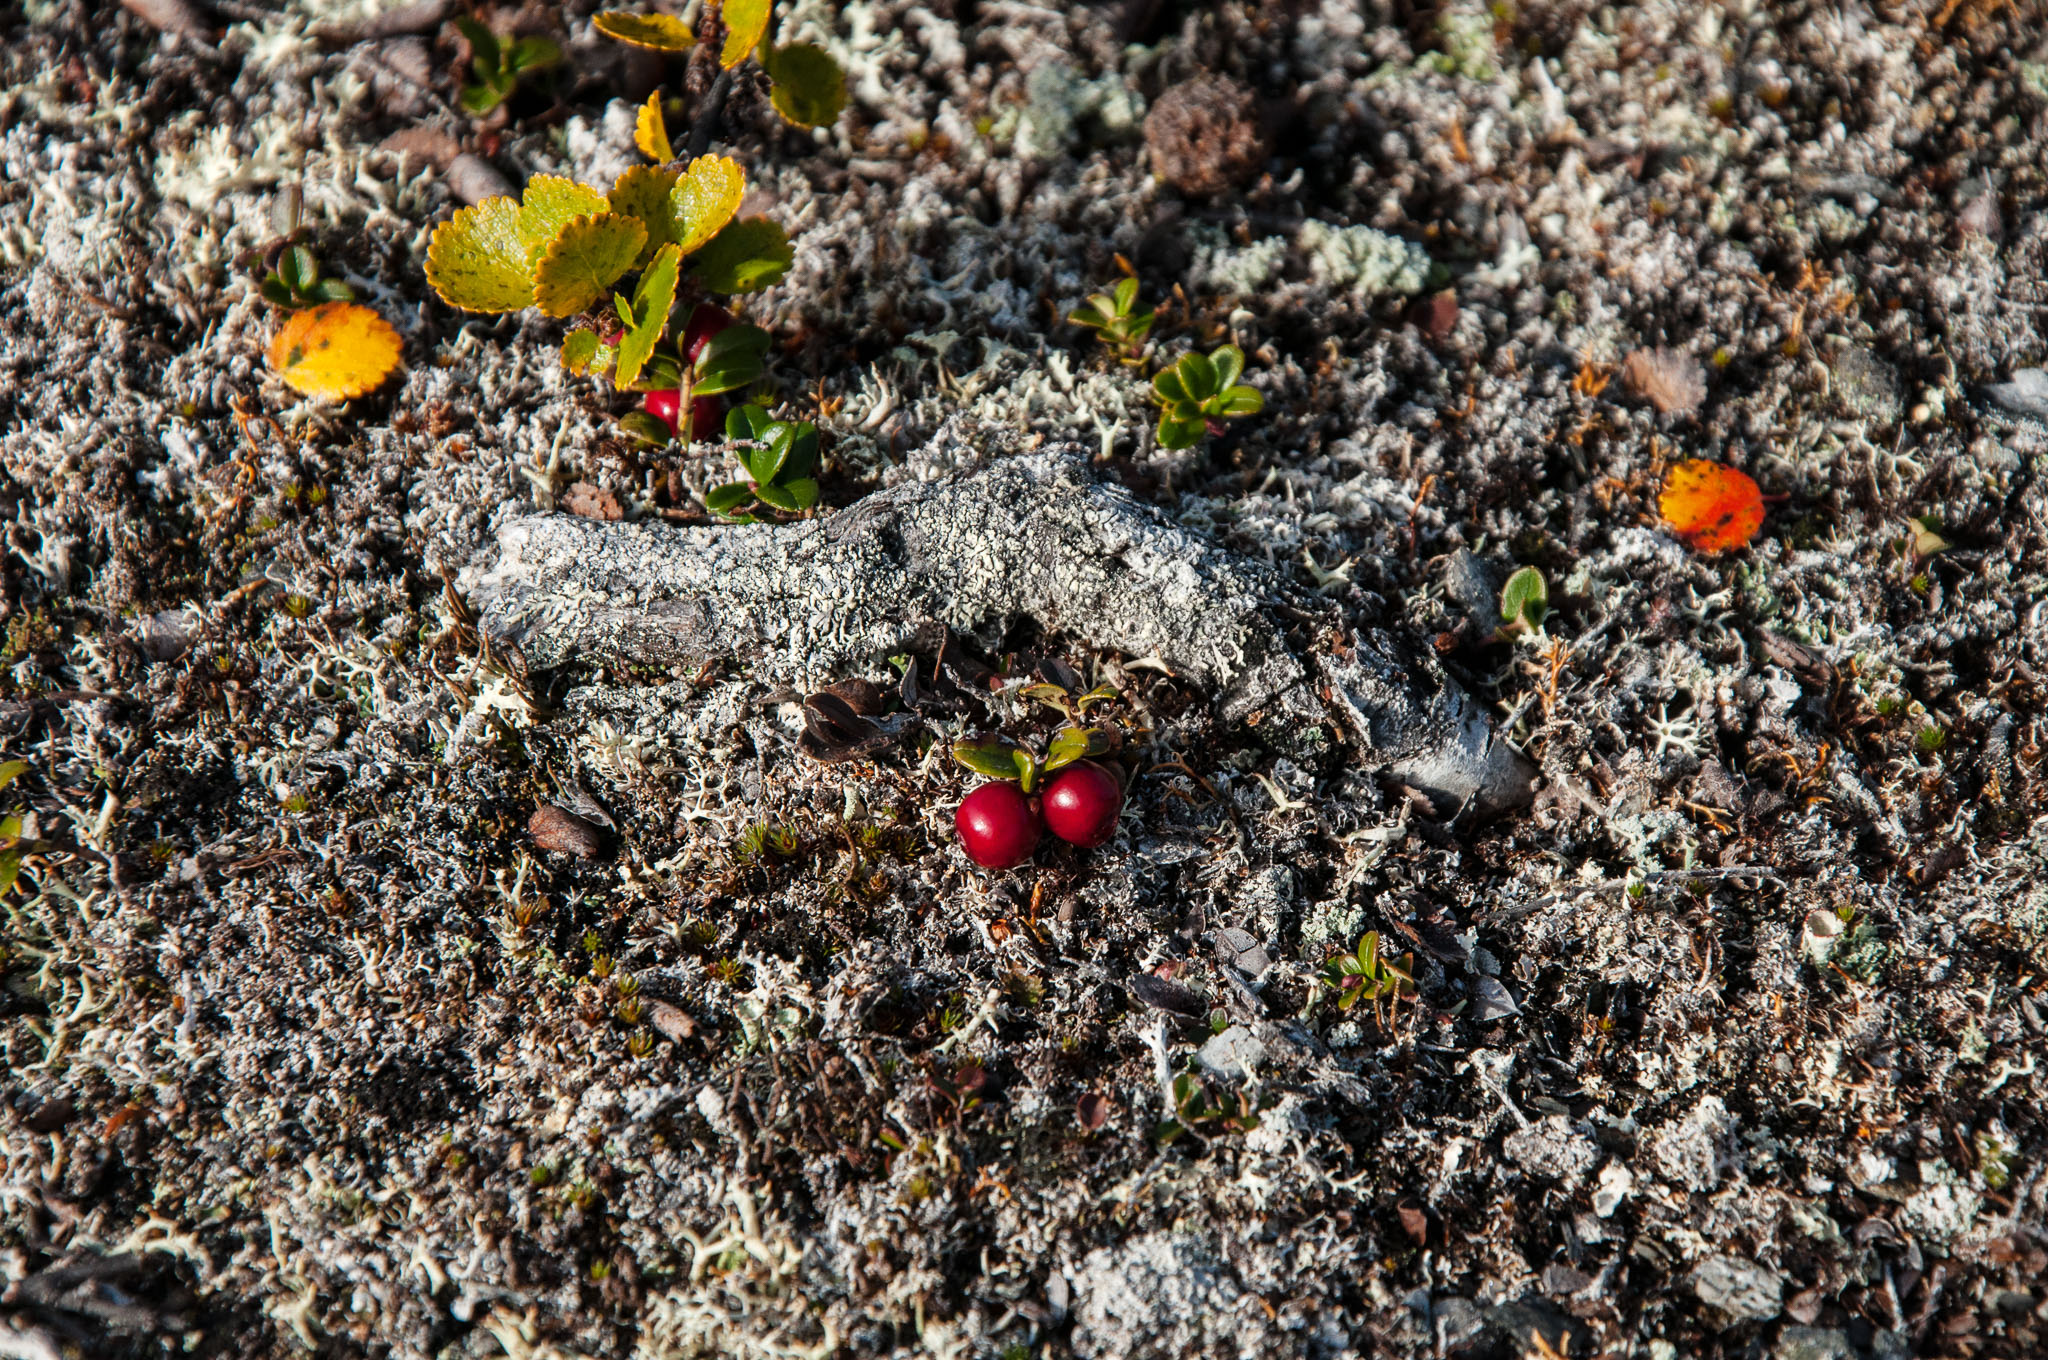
746, 256
994, 757
1165, 1131
802, 490
579, 347
277, 293
776, 495
1181, 434
806, 85
1197, 376
1137, 326
645, 429
766, 462
11, 771
1126, 294
534, 54
483, 43
1525, 600
1167, 385
657, 32
731, 360
298, 268
1236, 401
1027, 768
10, 870
748, 421
720, 500
1094, 314
802, 459
704, 199
654, 296
746, 23
331, 290
1070, 744
481, 98
1226, 362
585, 260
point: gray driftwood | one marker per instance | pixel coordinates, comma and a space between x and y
1037, 537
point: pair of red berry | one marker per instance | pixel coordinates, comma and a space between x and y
1000, 824
707, 414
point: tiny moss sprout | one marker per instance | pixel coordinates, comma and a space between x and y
1198, 392
499, 63
1524, 604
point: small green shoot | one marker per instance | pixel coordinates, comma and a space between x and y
1524, 604
499, 64
296, 282
1116, 320
1366, 975
1195, 1109
1198, 393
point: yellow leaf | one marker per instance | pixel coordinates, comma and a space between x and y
477, 261
705, 199
643, 192
652, 301
650, 133
661, 32
585, 259
336, 351
550, 201
746, 23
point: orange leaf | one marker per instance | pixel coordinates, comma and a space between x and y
1713, 507
336, 351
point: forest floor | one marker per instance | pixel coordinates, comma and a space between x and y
1731, 1043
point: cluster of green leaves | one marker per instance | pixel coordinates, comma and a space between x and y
12, 845
731, 360
999, 758
1524, 604
1198, 392
805, 84
499, 64
1117, 321
563, 245
1196, 1110
1366, 975
296, 282
781, 462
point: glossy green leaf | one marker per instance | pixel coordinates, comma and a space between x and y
746, 256
1198, 376
1070, 744
481, 98
483, 44
732, 360
995, 758
1227, 362
1525, 599
1181, 434
776, 495
747, 421
802, 490
534, 54
722, 500
646, 429
1236, 401
1168, 387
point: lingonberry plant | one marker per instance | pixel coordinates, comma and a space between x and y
1081, 800
1199, 392
295, 282
781, 462
998, 826
1117, 320
1367, 975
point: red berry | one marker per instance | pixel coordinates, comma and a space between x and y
998, 826
1082, 803
705, 322
707, 414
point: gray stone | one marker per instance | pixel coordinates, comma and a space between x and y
1232, 1055
1742, 1289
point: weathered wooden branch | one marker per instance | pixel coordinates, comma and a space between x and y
1038, 537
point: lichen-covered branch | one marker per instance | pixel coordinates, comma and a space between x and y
1036, 537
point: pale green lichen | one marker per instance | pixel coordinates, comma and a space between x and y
1057, 101
1233, 271
1367, 262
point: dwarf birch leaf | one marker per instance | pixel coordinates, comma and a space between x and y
746, 23
652, 299
579, 347
704, 200
1712, 506
643, 193
477, 261
748, 255
549, 203
650, 132
11, 771
657, 32
806, 85
587, 257
334, 351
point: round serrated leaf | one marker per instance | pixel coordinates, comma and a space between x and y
705, 198
650, 131
748, 255
746, 23
643, 193
587, 257
806, 85
652, 299
658, 32
579, 347
548, 204
477, 261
